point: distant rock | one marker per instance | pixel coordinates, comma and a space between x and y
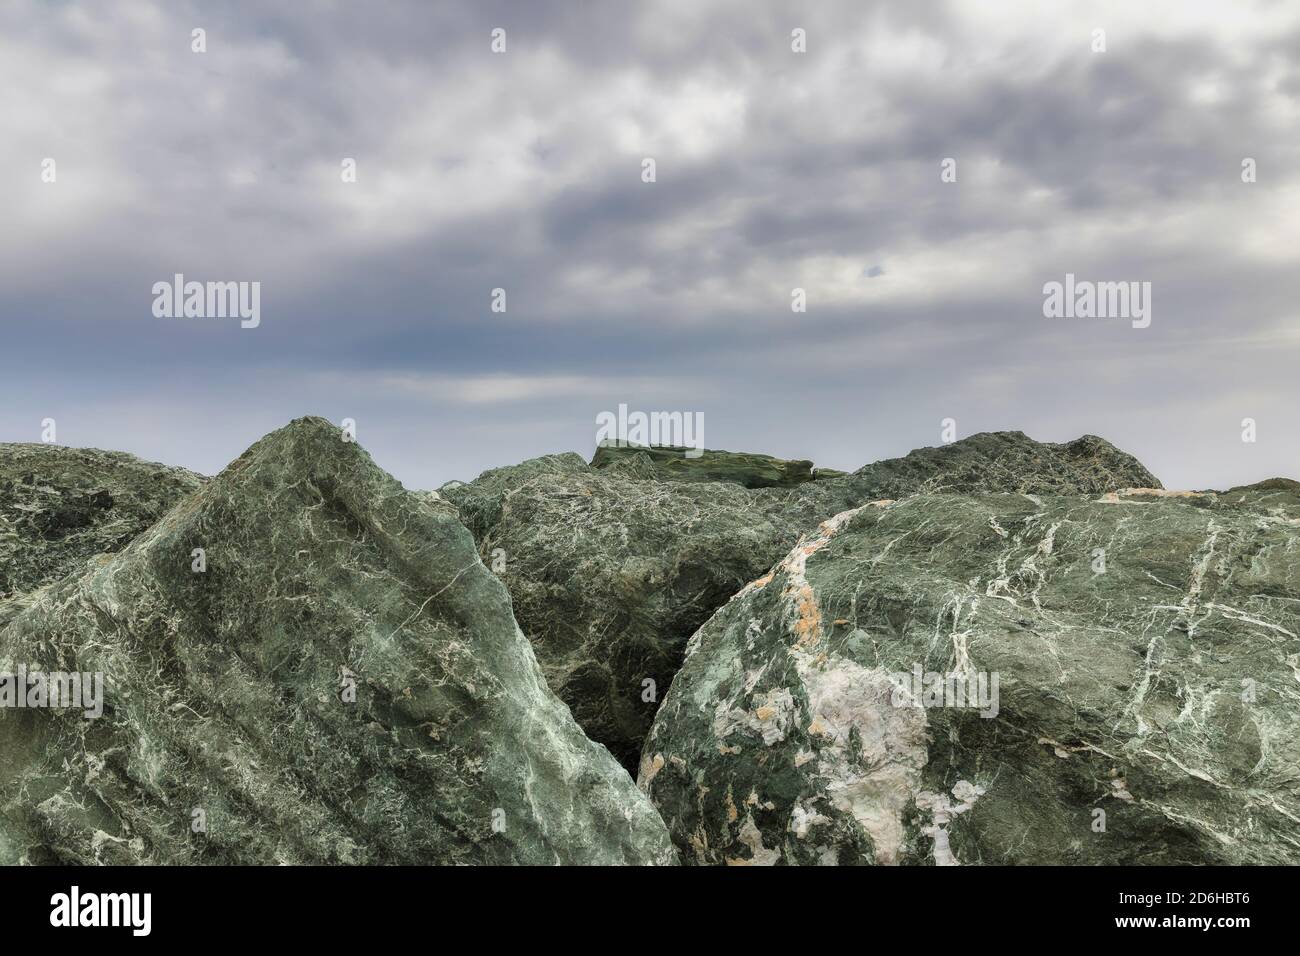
227, 736
1005, 461
1270, 484
666, 463
988, 461
612, 568
59, 506
1145, 644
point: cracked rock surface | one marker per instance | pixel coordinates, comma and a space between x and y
1147, 705
612, 568
227, 690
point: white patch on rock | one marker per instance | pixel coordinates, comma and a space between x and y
845, 700
876, 786
775, 712
942, 809
802, 820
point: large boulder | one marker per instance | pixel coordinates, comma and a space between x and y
59, 506
612, 568
1000, 678
343, 683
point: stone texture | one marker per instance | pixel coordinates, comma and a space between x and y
1161, 690
59, 506
224, 691
609, 576
611, 569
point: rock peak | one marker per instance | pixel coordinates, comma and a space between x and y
317, 660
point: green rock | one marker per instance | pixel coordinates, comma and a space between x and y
59, 506
1146, 710
677, 464
988, 461
228, 736
481, 501
610, 575
611, 569
1270, 484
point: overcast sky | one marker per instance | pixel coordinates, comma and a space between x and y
775, 170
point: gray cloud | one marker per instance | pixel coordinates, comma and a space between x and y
775, 171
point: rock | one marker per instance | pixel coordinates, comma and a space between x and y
612, 568
1002, 461
1271, 484
609, 576
988, 461
227, 737
59, 506
480, 501
1138, 654
676, 464
638, 466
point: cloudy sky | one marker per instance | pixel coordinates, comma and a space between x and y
775, 170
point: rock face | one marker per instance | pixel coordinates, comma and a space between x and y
59, 506
612, 568
1137, 654
228, 735
609, 576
